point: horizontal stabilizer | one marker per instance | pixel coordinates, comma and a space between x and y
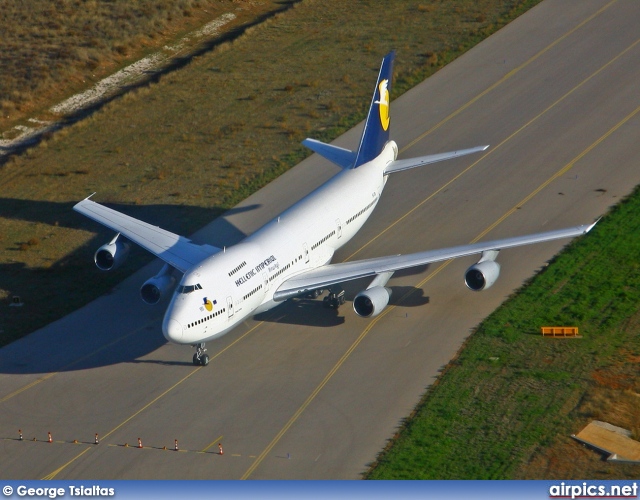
340, 156
399, 165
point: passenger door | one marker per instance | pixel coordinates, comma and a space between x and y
230, 306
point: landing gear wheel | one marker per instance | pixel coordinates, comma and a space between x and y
335, 298
200, 358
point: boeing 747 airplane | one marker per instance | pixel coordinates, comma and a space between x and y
290, 256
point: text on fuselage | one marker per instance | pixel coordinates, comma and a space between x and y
252, 272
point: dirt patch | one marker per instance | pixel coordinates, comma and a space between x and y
610, 440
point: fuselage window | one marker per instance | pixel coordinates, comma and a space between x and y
351, 219
234, 271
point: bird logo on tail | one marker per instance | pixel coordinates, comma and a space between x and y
383, 103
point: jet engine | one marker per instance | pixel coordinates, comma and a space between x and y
154, 288
372, 301
482, 275
111, 255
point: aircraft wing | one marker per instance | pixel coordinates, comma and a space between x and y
332, 274
399, 165
175, 250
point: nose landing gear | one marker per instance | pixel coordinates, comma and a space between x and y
200, 358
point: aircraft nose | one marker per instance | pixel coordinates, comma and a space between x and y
172, 330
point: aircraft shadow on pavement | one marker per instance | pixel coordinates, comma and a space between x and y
412, 271
187, 361
79, 351
304, 312
402, 296
407, 296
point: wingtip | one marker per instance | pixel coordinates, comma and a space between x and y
77, 205
590, 227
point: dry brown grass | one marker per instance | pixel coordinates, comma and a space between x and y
51, 48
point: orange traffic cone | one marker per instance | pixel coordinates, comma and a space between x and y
20, 434
175, 446
50, 440
139, 443
96, 440
220, 448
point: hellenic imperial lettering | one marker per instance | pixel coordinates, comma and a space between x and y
250, 274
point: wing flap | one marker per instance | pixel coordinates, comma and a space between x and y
400, 165
175, 250
332, 274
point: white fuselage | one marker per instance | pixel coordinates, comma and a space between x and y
226, 288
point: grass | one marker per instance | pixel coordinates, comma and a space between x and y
506, 406
169, 152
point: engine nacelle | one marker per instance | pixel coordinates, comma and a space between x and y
371, 302
482, 275
154, 288
111, 255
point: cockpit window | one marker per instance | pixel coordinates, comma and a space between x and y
189, 288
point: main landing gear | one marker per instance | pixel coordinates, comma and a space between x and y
200, 358
314, 294
334, 299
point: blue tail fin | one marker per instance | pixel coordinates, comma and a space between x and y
376, 128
